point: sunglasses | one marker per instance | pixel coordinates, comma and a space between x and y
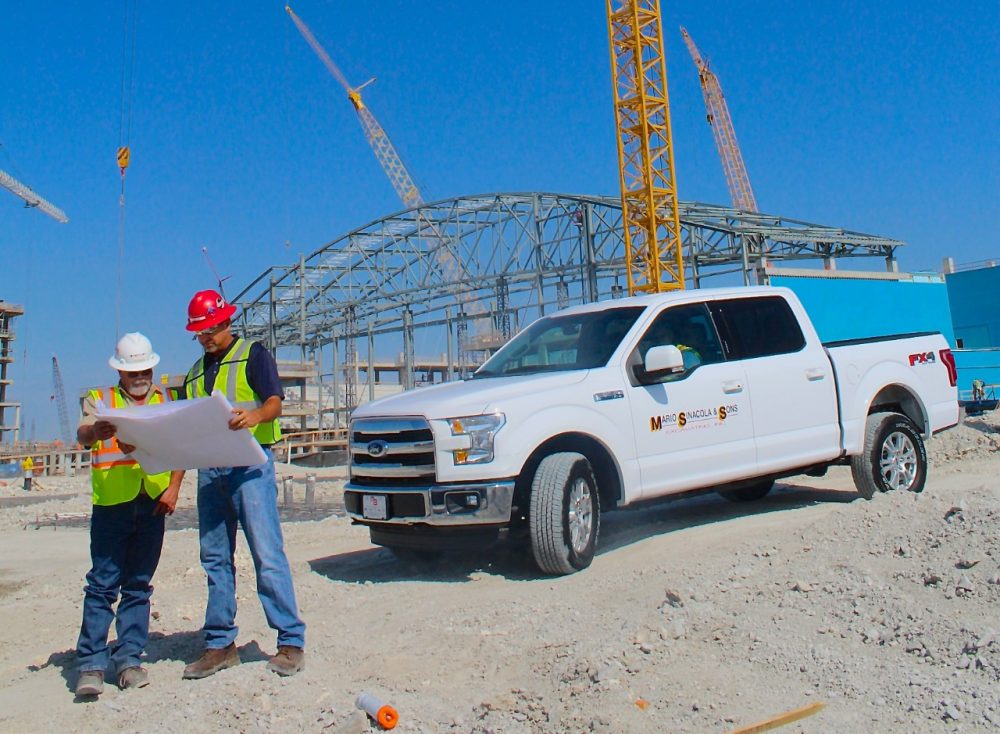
213, 331
139, 373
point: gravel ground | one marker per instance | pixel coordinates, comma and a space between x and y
697, 615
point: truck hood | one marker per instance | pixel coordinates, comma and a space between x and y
467, 397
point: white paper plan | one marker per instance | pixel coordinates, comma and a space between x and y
184, 434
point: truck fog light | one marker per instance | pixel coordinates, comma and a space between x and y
457, 503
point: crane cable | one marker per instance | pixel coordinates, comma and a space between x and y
124, 139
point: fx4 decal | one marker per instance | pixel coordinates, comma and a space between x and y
922, 358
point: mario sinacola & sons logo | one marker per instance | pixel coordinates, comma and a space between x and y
697, 418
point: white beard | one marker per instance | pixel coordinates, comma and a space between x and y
140, 388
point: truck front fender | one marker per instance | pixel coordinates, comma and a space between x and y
609, 448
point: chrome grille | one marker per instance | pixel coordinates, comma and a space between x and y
391, 451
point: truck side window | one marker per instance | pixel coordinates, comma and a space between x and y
690, 329
758, 327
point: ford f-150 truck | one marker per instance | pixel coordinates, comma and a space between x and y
607, 404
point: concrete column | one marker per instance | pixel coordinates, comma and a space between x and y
310, 490
372, 377
450, 331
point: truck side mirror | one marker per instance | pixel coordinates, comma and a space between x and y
667, 358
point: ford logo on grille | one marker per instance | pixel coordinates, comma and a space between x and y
377, 448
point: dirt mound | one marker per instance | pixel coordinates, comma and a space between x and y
974, 437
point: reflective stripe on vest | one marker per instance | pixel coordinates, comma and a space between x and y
114, 475
233, 375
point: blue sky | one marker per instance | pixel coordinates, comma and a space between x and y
880, 117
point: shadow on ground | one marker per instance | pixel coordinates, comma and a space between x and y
32, 499
188, 647
185, 647
982, 425
631, 525
184, 518
618, 529
380, 565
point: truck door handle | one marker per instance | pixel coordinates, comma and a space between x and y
816, 373
732, 386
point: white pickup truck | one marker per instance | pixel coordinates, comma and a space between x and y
607, 404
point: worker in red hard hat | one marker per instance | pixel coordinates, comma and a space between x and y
208, 309
247, 374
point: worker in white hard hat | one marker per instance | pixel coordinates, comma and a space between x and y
126, 528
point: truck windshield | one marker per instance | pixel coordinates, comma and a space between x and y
558, 343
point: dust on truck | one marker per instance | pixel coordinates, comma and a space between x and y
604, 405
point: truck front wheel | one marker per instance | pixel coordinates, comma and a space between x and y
894, 456
565, 513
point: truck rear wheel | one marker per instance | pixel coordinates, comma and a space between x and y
565, 515
894, 456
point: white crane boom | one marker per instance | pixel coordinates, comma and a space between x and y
31, 199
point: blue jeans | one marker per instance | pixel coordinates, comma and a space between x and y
125, 545
247, 494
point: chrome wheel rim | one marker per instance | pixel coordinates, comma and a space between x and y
580, 515
898, 463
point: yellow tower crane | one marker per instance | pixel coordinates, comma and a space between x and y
653, 248
722, 129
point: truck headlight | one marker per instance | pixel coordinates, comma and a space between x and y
481, 430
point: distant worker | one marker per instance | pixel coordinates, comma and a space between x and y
246, 373
126, 528
691, 344
978, 389
27, 468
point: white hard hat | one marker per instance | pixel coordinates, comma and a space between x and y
134, 353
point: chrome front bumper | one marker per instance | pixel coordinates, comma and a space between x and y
486, 503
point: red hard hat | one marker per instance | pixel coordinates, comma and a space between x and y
208, 309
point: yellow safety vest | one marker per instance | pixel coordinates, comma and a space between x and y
232, 382
115, 476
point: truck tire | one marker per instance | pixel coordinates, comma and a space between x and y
565, 515
894, 456
750, 493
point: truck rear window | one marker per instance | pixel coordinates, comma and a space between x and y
758, 327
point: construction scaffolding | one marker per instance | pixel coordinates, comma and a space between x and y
367, 303
9, 430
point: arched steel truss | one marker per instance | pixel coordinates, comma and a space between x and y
484, 266
537, 251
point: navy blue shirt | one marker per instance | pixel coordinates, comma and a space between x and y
262, 372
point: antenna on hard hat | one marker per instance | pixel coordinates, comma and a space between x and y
211, 266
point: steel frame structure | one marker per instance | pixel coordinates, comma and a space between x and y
523, 255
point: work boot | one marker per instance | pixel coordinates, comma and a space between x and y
90, 683
134, 677
289, 660
212, 661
